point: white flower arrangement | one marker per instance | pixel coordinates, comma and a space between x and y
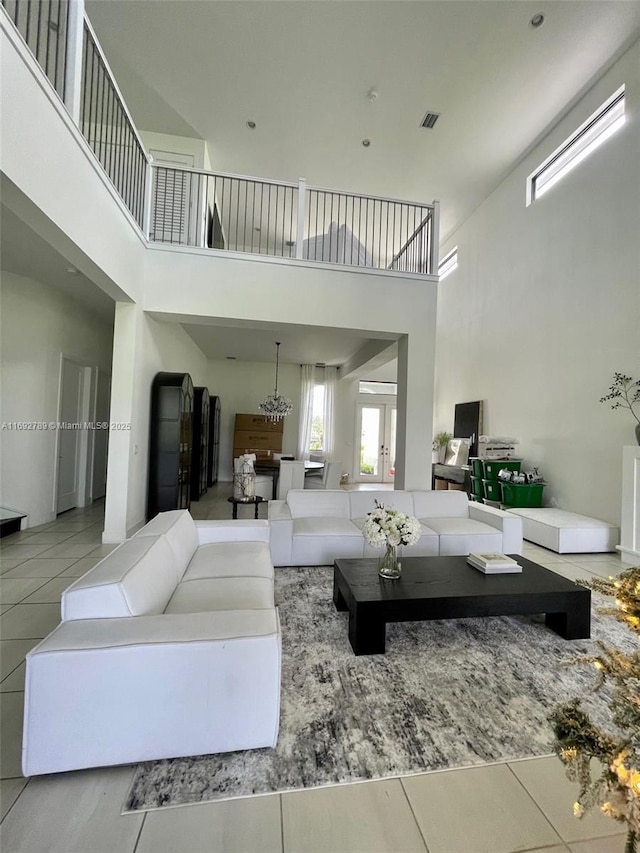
389, 526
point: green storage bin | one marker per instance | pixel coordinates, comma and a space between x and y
522, 494
492, 467
492, 490
477, 468
477, 488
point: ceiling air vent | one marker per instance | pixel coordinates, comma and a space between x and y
429, 120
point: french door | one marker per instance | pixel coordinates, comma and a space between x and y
376, 443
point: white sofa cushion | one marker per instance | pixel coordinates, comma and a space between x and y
360, 503
136, 579
327, 503
320, 541
440, 504
209, 594
464, 535
325, 527
567, 532
180, 531
230, 559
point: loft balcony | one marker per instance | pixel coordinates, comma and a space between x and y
218, 212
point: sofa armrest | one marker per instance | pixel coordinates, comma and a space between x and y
244, 530
115, 691
503, 521
281, 529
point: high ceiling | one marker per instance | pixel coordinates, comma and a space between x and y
302, 72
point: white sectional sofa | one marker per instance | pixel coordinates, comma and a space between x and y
170, 646
312, 528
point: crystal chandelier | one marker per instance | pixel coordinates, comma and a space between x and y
276, 406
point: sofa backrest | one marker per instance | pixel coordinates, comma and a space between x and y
318, 503
180, 531
440, 504
363, 502
136, 579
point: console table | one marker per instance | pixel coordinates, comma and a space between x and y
451, 474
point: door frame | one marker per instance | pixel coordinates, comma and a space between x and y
83, 450
386, 404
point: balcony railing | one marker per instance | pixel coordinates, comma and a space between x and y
108, 128
43, 26
193, 207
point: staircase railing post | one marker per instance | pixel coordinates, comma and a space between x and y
302, 192
435, 238
73, 64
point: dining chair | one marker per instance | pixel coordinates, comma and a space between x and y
330, 477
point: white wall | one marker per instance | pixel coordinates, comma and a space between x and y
38, 324
142, 348
545, 306
241, 385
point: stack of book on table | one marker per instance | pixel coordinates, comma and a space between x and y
494, 564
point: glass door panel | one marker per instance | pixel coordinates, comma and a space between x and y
376, 443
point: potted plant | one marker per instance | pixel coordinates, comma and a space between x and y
623, 396
439, 446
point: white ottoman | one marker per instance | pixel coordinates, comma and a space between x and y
566, 532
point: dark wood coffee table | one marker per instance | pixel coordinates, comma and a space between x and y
448, 588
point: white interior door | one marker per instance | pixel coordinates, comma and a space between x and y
71, 399
376, 443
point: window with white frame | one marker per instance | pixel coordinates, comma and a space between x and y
596, 129
448, 263
317, 423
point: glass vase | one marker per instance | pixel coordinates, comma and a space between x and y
389, 566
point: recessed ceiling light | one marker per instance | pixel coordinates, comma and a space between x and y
536, 21
231, 358
251, 125
366, 142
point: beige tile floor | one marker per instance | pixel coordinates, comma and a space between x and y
500, 808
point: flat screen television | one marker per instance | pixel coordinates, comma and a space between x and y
467, 423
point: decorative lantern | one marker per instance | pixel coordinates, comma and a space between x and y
244, 480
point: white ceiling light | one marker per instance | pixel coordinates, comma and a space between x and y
536, 21
275, 406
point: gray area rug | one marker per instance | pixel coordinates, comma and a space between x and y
446, 694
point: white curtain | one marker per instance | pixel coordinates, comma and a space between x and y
330, 382
307, 377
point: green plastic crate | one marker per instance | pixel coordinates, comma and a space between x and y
477, 488
492, 467
492, 490
477, 468
522, 494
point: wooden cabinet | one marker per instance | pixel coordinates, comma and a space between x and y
213, 459
170, 443
257, 434
200, 449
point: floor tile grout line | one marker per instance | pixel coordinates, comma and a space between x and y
281, 803
142, 823
535, 802
413, 814
13, 804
